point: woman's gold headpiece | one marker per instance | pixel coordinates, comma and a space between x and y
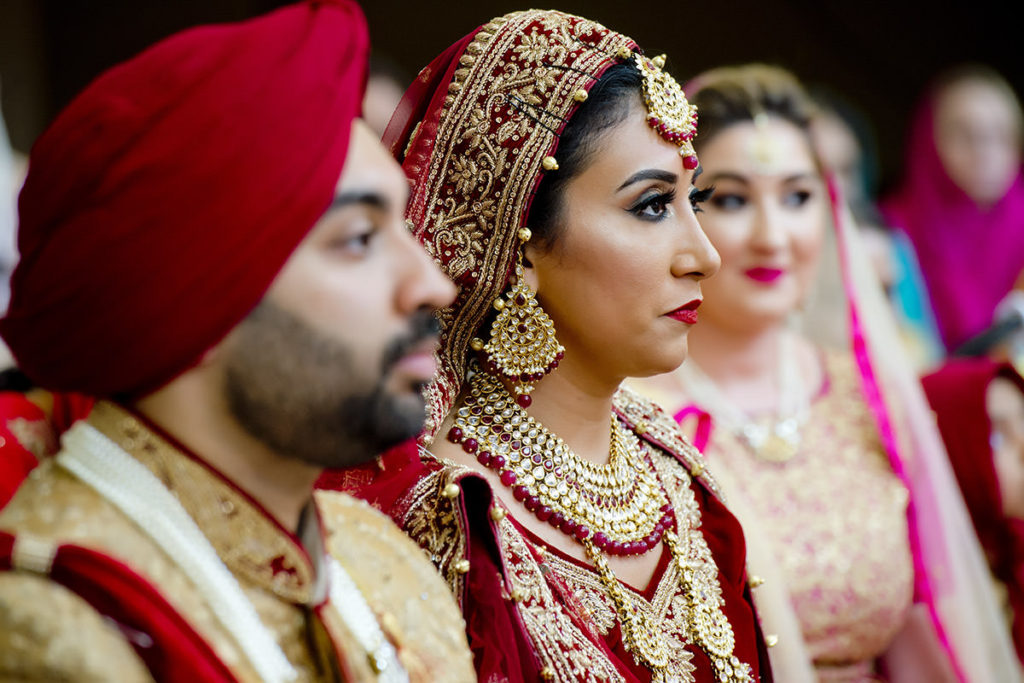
668, 111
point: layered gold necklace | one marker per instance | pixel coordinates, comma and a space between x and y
619, 508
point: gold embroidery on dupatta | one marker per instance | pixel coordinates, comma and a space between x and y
512, 90
559, 644
434, 521
660, 427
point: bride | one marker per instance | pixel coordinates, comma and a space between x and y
553, 167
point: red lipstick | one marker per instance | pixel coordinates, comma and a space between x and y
764, 274
687, 313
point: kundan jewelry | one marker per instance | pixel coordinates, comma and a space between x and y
620, 508
522, 346
774, 440
668, 111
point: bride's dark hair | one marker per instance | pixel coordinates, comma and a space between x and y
607, 104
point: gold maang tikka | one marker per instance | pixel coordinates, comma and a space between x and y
522, 347
765, 149
668, 111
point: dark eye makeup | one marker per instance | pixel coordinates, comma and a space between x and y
653, 205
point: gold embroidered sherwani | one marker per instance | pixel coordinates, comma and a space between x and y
47, 632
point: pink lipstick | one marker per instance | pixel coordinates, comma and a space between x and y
764, 274
687, 313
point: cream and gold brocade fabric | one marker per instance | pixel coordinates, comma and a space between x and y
414, 606
48, 633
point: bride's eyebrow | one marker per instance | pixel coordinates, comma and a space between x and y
648, 174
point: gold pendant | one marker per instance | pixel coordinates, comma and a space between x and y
776, 449
638, 634
640, 638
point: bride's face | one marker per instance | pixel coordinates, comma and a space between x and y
767, 219
628, 255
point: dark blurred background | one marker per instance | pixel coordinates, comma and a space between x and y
878, 56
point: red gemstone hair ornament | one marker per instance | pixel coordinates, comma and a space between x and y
668, 111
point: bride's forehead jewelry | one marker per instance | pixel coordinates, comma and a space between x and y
668, 111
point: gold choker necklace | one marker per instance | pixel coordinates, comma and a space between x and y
620, 508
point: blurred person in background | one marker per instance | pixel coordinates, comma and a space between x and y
229, 275
961, 200
29, 420
979, 404
384, 89
979, 407
843, 141
12, 170
850, 512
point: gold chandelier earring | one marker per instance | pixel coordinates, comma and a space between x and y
522, 347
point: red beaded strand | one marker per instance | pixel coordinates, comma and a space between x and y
523, 400
544, 513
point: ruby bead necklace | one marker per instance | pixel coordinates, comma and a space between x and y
621, 506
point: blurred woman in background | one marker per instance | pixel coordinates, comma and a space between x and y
961, 202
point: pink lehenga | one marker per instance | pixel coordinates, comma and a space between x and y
832, 515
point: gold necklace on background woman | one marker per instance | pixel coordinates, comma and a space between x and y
774, 438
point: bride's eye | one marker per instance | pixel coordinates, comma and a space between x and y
654, 206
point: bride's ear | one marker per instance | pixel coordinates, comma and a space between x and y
530, 253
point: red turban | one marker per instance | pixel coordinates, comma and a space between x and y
163, 201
